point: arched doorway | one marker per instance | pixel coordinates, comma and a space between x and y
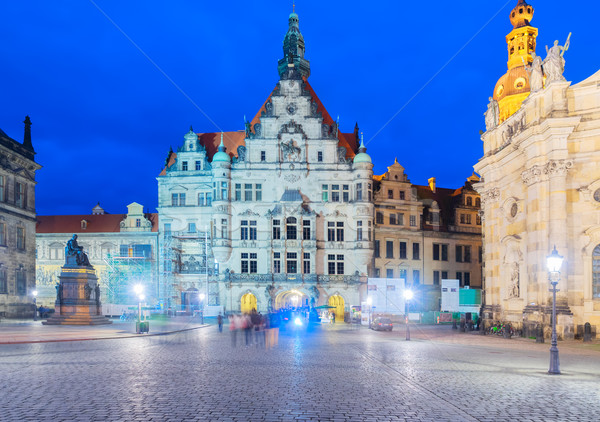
248, 303
190, 300
338, 302
291, 299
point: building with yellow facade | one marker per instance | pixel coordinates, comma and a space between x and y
540, 188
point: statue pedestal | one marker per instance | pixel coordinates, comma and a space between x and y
78, 301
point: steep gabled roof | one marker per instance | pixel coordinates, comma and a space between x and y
96, 223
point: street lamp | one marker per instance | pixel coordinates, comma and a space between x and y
408, 295
370, 302
34, 293
201, 296
139, 291
554, 262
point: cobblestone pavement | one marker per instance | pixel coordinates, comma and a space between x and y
329, 373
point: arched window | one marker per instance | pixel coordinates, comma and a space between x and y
477, 202
291, 229
469, 201
596, 273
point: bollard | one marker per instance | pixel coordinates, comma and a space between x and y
539, 337
587, 332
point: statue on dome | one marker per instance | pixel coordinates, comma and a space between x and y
492, 115
554, 63
536, 74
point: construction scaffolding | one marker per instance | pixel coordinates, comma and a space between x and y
130, 267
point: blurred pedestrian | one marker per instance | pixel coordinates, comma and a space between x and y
220, 322
233, 329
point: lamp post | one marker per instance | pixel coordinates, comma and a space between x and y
370, 302
34, 293
201, 296
554, 262
139, 291
408, 295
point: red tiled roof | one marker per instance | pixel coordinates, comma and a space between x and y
100, 223
233, 140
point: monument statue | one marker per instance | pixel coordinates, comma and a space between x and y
554, 63
535, 72
492, 115
514, 279
73, 249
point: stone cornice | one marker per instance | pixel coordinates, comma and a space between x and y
551, 168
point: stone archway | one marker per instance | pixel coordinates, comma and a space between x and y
248, 303
291, 299
339, 303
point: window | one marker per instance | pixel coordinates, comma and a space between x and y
263, 156
393, 219
402, 195
276, 229
416, 251
291, 262
290, 228
389, 273
416, 277
2, 233
390, 194
478, 220
138, 222
469, 201
436, 278
335, 264
20, 195
379, 217
3, 283
178, 199
345, 193
459, 257
205, 199
402, 252
198, 165
340, 231
306, 263
167, 228
359, 231
224, 190
184, 165
252, 230
463, 253
376, 251
369, 191
21, 282
331, 231
413, 221
244, 230
444, 252
478, 202
402, 274
596, 273
467, 279
459, 278
462, 219
389, 249
335, 193
224, 231
249, 263
238, 192
436, 252
247, 191
325, 192
2, 188
276, 262
377, 273
320, 156
21, 238
306, 229
258, 192
437, 248
468, 218
370, 229
359, 192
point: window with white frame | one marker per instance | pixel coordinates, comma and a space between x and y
57, 251
178, 199
325, 193
291, 229
198, 165
249, 263
339, 231
345, 193
359, 231
413, 221
247, 191
359, 192
306, 230
205, 199
224, 230
335, 193
335, 264
276, 229
184, 166
306, 263
238, 192
292, 262
276, 262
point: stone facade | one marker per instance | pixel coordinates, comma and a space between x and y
121, 247
280, 205
424, 234
540, 189
17, 224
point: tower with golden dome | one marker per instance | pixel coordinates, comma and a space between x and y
513, 87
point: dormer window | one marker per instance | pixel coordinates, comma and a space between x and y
84, 224
138, 222
184, 165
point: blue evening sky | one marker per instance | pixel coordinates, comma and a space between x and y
104, 116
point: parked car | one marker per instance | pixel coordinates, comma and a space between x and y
382, 324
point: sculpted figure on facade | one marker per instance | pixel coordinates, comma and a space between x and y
514, 280
536, 74
492, 115
241, 153
554, 63
290, 151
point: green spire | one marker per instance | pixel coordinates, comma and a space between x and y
293, 49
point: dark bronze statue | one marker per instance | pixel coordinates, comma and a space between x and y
73, 249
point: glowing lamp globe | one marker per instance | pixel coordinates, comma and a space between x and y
554, 261
408, 294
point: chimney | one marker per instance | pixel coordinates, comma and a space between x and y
431, 182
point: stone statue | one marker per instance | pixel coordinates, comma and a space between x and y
514, 278
536, 75
290, 151
492, 115
73, 249
258, 130
554, 63
241, 153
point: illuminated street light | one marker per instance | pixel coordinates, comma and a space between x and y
201, 296
139, 291
408, 295
554, 262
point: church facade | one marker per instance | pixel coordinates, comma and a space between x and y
278, 214
540, 189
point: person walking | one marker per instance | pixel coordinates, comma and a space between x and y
220, 322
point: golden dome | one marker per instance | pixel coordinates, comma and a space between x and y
521, 15
514, 81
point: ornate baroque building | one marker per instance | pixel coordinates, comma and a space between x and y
121, 247
424, 234
540, 188
282, 210
17, 224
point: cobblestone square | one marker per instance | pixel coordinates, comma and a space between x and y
336, 373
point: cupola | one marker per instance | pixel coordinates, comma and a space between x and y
221, 155
362, 156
